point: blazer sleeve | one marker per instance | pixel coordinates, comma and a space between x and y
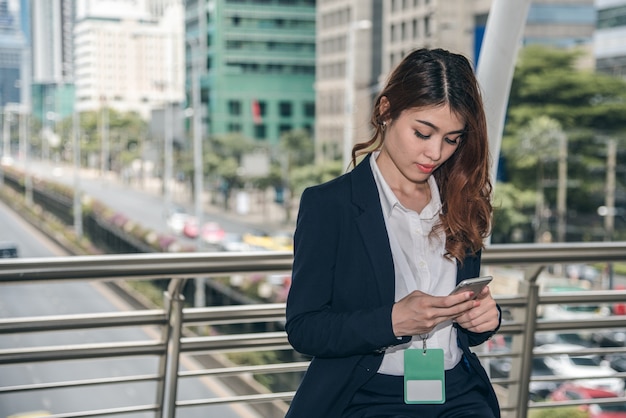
333, 306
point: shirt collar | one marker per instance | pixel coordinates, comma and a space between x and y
388, 199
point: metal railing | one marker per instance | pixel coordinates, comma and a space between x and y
175, 322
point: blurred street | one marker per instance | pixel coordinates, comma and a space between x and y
142, 201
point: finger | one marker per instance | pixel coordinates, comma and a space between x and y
484, 293
479, 320
453, 300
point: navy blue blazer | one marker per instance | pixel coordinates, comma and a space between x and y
342, 293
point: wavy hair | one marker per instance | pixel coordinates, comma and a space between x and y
431, 78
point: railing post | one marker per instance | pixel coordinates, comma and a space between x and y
168, 368
519, 399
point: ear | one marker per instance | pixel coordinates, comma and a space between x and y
383, 108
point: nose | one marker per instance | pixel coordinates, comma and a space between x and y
433, 148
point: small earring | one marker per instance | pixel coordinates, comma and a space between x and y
383, 125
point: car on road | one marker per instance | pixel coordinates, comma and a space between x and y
8, 249
234, 242
277, 241
607, 410
572, 391
211, 232
588, 370
574, 312
617, 361
584, 339
609, 338
583, 272
539, 390
176, 218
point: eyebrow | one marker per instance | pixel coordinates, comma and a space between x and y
436, 128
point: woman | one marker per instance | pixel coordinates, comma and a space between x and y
378, 250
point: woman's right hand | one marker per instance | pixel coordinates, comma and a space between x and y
419, 313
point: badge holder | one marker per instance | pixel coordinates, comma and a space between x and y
424, 376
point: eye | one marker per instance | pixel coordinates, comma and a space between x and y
421, 135
453, 141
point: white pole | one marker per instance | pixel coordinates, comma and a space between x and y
197, 147
503, 35
199, 296
169, 128
348, 126
168, 162
2, 110
28, 180
104, 138
6, 133
78, 210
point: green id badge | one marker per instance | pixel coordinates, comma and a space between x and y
424, 376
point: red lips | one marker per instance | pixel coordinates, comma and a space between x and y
426, 168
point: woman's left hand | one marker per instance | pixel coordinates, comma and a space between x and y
483, 317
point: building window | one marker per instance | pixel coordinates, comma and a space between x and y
260, 132
234, 107
262, 108
309, 109
285, 109
284, 128
234, 127
613, 17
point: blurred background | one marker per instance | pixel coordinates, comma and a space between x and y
176, 126
250, 101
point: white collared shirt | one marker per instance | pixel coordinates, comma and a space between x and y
419, 264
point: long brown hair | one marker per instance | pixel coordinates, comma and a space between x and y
435, 77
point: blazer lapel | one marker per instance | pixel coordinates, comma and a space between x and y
371, 224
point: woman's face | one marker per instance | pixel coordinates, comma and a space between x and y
419, 141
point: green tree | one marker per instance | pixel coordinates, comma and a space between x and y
222, 162
126, 131
310, 175
548, 82
549, 88
296, 151
512, 214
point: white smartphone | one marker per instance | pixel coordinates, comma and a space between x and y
476, 285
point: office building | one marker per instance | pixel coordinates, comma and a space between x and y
348, 66
399, 26
12, 47
610, 37
560, 23
256, 62
52, 66
372, 50
126, 58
